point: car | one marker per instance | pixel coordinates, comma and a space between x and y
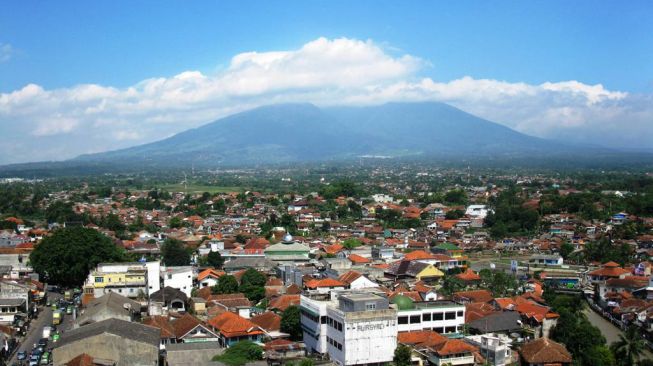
22, 356
43, 342
55, 337
69, 309
34, 359
45, 358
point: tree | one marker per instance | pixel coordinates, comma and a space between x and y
351, 243
600, 355
66, 257
566, 249
240, 354
227, 284
174, 253
175, 222
402, 355
629, 347
60, 212
452, 284
252, 285
291, 323
214, 259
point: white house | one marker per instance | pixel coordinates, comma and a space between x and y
180, 278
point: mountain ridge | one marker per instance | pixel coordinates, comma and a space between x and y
304, 132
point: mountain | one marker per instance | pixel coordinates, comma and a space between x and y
303, 132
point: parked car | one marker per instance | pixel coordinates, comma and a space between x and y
69, 309
43, 342
22, 356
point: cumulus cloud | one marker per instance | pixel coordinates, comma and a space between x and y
62, 123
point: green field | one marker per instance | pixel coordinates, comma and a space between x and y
193, 188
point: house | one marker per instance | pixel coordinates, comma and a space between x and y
117, 342
413, 269
270, 323
544, 351
168, 298
432, 348
465, 297
109, 306
283, 350
609, 270
504, 322
449, 249
469, 277
283, 302
355, 280
382, 252
545, 260
188, 328
209, 277
325, 285
233, 328
180, 278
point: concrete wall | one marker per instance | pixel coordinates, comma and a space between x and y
109, 347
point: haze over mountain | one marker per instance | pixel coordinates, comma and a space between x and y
304, 132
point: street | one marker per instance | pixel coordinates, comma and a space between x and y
35, 332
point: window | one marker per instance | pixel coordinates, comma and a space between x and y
426, 317
450, 329
99, 279
460, 313
169, 276
403, 320
414, 319
450, 315
438, 329
323, 320
437, 316
370, 306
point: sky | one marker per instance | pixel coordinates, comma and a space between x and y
79, 77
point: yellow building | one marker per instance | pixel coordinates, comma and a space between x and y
132, 282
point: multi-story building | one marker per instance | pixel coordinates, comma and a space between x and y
127, 279
440, 316
180, 278
353, 328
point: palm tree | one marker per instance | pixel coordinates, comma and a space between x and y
629, 347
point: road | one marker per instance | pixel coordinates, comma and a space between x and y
609, 330
35, 332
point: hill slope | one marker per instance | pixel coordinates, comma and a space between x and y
304, 132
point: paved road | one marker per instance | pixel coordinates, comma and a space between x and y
609, 330
35, 332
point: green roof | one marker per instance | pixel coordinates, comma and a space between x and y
403, 302
448, 246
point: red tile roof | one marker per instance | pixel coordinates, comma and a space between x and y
349, 277
474, 296
234, 325
325, 282
284, 301
210, 272
421, 338
468, 276
268, 321
357, 259
545, 351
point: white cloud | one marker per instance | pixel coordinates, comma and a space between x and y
90, 117
6, 52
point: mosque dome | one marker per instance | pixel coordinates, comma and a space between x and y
288, 238
403, 302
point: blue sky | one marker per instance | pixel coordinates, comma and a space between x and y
58, 44
569, 70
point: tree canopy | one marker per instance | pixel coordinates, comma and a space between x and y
291, 323
174, 253
227, 284
240, 354
252, 285
214, 259
66, 257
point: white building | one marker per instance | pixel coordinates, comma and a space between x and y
354, 328
382, 198
180, 278
477, 211
441, 316
495, 348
